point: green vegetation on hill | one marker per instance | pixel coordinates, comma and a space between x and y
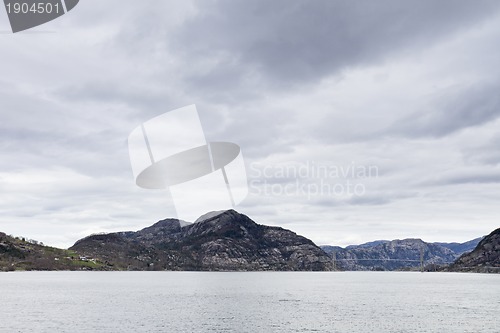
19, 254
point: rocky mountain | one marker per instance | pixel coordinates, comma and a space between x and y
367, 245
391, 255
329, 249
219, 241
20, 254
485, 258
461, 248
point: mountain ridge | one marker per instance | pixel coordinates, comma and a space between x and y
225, 241
405, 254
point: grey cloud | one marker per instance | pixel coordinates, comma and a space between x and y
478, 176
130, 104
487, 153
37, 133
379, 198
369, 200
292, 42
462, 107
260, 132
69, 101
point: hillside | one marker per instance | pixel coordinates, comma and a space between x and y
485, 258
20, 254
224, 241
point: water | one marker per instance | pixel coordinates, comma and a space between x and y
248, 302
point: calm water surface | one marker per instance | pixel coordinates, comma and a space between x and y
248, 302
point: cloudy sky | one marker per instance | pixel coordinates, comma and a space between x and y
358, 120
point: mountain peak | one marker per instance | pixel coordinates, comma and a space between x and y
214, 214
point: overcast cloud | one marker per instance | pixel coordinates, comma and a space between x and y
410, 89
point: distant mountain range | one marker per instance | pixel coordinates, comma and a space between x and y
461, 248
229, 241
397, 254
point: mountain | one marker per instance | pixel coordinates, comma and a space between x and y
461, 248
329, 249
390, 255
485, 258
367, 245
222, 241
21, 254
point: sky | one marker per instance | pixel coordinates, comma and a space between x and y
357, 120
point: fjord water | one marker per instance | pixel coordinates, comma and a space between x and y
249, 302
